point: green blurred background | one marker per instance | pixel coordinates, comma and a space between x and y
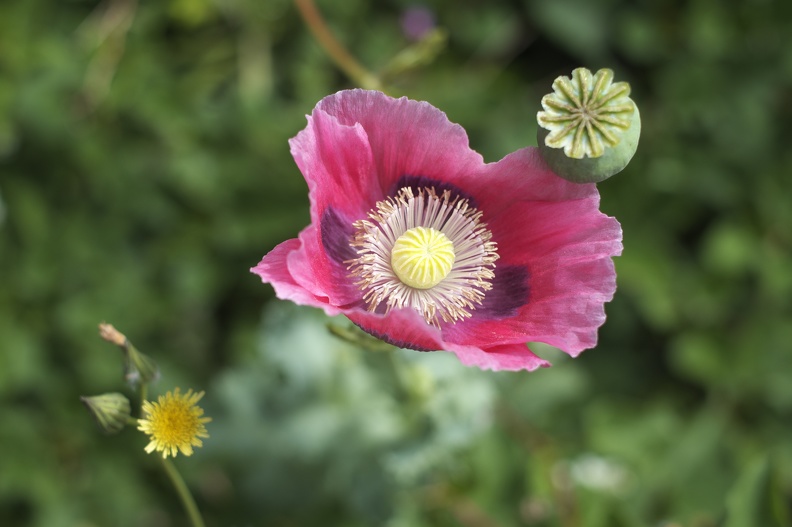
144, 167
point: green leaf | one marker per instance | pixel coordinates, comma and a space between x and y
755, 499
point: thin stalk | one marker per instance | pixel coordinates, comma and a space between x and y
184, 493
343, 59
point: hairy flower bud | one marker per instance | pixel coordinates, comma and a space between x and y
111, 411
138, 367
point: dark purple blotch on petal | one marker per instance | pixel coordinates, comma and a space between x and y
510, 291
418, 182
336, 235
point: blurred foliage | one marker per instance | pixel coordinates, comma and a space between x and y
144, 167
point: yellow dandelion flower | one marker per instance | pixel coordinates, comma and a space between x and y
174, 423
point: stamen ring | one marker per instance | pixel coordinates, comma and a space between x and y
444, 282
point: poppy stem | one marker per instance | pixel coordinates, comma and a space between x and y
343, 59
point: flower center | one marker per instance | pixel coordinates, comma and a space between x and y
424, 251
174, 423
422, 257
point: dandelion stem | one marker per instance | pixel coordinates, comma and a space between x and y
343, 59
184, 493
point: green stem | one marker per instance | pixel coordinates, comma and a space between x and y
143, 392
343, 59
184, 493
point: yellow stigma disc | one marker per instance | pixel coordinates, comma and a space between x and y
422, 257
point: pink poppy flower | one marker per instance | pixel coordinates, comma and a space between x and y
421, 243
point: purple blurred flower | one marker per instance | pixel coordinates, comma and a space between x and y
417, 21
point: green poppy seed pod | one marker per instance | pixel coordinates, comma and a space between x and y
111, 411
589, 128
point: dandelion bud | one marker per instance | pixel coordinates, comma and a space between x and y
138, 367
589, 128
111, 411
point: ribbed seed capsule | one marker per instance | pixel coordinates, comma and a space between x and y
589, 128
